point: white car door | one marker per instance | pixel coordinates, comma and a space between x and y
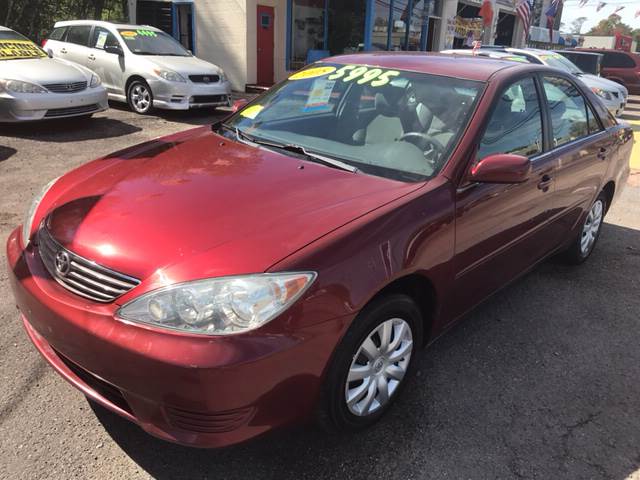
77, 44
108, 66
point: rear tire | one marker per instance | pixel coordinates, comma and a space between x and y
371, 364
140, 97
585, 242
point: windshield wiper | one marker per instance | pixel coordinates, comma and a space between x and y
299, 149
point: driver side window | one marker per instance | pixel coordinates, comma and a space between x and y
515, 126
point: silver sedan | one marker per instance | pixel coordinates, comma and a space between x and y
36, 87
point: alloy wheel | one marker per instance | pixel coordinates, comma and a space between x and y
140, 98
378, 367
591, 227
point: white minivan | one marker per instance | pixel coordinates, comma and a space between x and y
141, 65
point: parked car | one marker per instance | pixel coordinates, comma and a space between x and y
612, 94
141, 65
588, 62
620, 67
36, 87
290, 261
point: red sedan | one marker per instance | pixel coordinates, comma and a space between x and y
290, 261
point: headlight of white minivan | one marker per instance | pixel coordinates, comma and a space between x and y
31, 212
219, 306
223, 76
169, 75
18, 86
95, 81
601, 93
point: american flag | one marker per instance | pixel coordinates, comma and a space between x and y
524, 13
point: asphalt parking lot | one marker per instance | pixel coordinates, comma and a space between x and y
541, 382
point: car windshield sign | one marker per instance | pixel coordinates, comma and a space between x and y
380, 121
17, 47
143, 41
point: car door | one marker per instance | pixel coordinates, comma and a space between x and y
77, 44
503, 229
108, 66
581, 145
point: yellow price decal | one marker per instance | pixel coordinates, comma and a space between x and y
129, 34
312, 73
251, 112
20, 49
376, 77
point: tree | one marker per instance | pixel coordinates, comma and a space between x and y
611, 25
576, 25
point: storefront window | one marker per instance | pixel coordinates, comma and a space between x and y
346, 26
399, 25
307, 30
380, 33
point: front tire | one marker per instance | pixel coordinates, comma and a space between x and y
371, 364
586, 240
140, 97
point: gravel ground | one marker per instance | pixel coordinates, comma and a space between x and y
539, 382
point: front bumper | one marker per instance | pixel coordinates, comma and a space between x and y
196, 391
186, 95
25, 107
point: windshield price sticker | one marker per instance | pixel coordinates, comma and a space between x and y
146, 33
19, 49
320, 94
252, 111
312, 73
376, 77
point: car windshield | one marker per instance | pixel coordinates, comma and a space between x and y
390, 123
142, 41
556, 60
14, 46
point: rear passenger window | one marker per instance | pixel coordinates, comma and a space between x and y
516, 123
617, 60
103, 38
568, 110
79, 35
57, 33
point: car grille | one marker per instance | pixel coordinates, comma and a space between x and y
615, 94
79, 275
209, 422
209, 99
64, 112
204, 78
66, 87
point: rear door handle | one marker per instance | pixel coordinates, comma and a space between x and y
545, 183
92, 57
602, 153
63, 50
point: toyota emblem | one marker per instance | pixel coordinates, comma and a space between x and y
63, 263
206, 79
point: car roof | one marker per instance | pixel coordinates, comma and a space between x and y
100, 23
5, 29
492, 53
452, 65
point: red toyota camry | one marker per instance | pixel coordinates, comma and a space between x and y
289, 262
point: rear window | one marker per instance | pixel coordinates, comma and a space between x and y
58, 33
618, 60
79, 34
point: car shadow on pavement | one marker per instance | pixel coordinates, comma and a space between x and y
6, 152
70, 130
538, 382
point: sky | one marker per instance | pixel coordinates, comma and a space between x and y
571, 11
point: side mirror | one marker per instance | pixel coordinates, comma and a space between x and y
114, 49
238, 104
49, 53
501, 168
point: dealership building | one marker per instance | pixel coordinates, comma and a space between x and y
257, 42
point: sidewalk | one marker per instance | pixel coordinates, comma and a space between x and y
632, 115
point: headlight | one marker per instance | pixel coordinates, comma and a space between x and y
26, 226
95, 81
18, 86
601, 93
169, 75
223, 76
219, 306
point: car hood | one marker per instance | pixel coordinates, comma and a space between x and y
599, 82
43, 71
196, 205
185, 65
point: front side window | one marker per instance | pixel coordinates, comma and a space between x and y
617, 60
103, 38
568, 110
142, 41
385, 122
79, 35
515, 125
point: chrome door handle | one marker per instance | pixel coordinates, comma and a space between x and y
602, 153
545, 183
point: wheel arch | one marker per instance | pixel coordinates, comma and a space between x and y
132, 79
609, 190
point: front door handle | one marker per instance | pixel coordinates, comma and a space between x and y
545, 183
64, 50
602, 153
92, 57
